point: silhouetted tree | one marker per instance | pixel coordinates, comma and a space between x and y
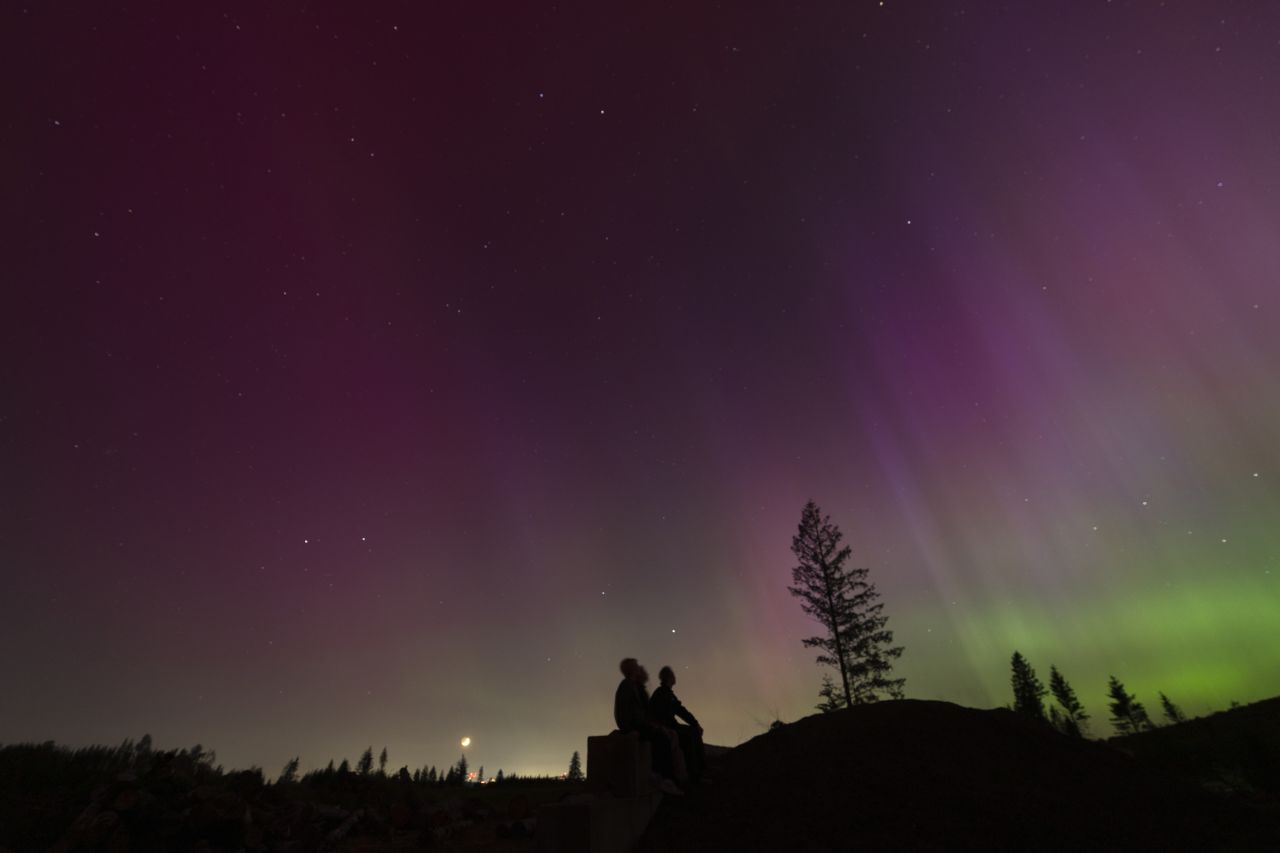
857, 643
433, 776
498, 778
382, 762
144, 746
1028, 692
1127, 713
1073, 717
198, 755
832, 700
1057, 720
290, 772
1172, 712
344, 768
417, 775
462, 770
480, 774
365, 766
329, 769
575, 768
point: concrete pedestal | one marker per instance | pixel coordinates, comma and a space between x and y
595, 823
614, 815
620, 764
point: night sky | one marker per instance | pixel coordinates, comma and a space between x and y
383, 373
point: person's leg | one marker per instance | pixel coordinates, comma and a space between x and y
661, 747
698, 753
679, 770
691, 746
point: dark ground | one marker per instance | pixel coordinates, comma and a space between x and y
1236, 750
127, 800
915, 775
907, 775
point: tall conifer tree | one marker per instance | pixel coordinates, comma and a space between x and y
1172, 712
857, 642
1028, 692
1127, 713
365, 765
1073, 717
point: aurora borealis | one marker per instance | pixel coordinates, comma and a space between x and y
383, 374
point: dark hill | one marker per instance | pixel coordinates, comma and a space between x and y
1236, 750
915, 775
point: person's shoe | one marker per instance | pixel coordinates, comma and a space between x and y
669, 787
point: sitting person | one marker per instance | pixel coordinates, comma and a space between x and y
664, 708
630, 703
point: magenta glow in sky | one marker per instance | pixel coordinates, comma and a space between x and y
384, 375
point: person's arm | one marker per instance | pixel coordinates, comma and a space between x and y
684, 713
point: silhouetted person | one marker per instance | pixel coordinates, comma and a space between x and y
664, 708
629, 714
628, 700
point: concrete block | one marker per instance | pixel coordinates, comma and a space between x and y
620, 764
595, 823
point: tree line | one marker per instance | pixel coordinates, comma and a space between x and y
1128, 715
454, 775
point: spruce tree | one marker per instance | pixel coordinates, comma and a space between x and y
365, 766
290, 772
1028, 692
1172, 712
498, 779
1073, 717
831, 698
344, 768
1127, 713
575, 768
382, 762
462, 770
857, 642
